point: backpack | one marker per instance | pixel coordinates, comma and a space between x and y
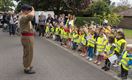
130, 61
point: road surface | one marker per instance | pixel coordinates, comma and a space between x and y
50, 62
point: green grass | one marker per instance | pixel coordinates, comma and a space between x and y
128, 33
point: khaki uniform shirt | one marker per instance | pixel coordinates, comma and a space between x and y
25, 24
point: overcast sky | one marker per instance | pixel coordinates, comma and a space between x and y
130, 1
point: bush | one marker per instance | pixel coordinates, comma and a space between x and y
80, 21
113, 18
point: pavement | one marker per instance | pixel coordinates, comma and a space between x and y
50, 62
129, 41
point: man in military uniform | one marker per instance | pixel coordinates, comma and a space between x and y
27, 38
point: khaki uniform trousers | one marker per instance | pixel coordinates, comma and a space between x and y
27, 43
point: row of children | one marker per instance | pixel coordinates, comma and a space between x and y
103, 43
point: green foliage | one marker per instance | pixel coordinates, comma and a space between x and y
80, 21
6, 5
123, 5
98, 7
55, 5
113, 18
107, 1
120, 8
73, 5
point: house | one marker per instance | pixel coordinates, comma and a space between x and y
126, 22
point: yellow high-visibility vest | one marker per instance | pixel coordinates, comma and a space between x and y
91, 42
47, 29
101, 44
83, 40
65, 34
75, 37
119, 43
61, 32
108, 49
124, 61
79, 38
57, 31
52, 29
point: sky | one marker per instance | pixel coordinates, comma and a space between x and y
117, 1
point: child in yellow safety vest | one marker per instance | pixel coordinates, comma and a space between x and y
120, 43
74, 39
80, 35
84, 42
65, 36
90, 45
47, 31
68, 38
57, 32
62, 36
109, 51
101, 45
126, 63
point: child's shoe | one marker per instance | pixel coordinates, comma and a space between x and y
98, 63
90, 59
87, 57
95, 62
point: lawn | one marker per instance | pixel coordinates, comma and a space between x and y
128, 33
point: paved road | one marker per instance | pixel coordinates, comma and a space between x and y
129, 41
50, 62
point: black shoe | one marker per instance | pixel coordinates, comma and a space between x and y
103, 67
106, 69
124, 78
119, 75
30, 71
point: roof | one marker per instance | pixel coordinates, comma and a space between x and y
126, 12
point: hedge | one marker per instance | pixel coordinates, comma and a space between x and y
80, 21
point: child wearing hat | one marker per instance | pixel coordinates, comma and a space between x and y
126, 62
90, 45
109, 51
101, 45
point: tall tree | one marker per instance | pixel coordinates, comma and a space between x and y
98, 8
107, 1
74, 5
123, 5
6, 5
56, 5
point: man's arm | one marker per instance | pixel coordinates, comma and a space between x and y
32, 13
